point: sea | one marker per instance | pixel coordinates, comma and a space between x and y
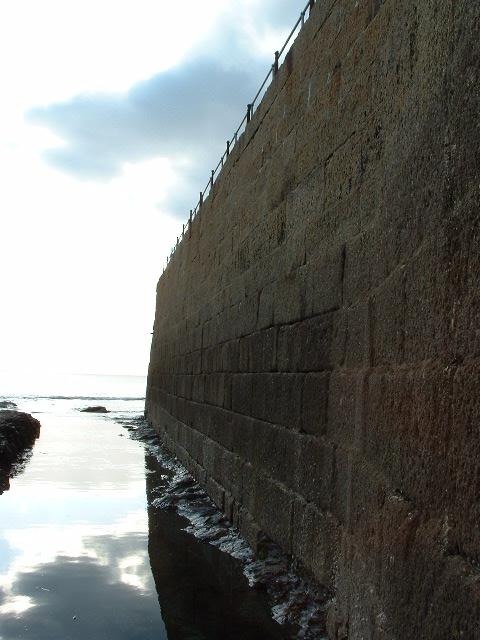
54, 391
104, 536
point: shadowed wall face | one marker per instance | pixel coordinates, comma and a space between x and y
316, 352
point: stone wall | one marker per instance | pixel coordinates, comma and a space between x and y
316, 348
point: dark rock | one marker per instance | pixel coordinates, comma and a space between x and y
95, 410
6, 404
18, 431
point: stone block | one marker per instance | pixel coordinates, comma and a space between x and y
325, 282
345, 402
315, 403
243, 436
221, 427
198, 388
266, 306
230, 356
246, 318
242, 393
282, 399
227, 390
187, 387
179, 411
202, 418
342, 171
208, 334
461, 466
209, 388
232, 466
261, 396
315, 541
196, 446
366, 265
190, 413
248, 528
305, 345
408, 432
275, 452
290, 256
304, 201
262, 351
388, 321
196, 338
351, 337
216, 493
427, 331
367, 496
244, 354
289, 297
290, 338
249, 484
313, 475
273, 506
462, 305
316, 344
196, 367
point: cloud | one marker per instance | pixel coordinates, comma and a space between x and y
174, 114
184, 113
251, 29
277, 14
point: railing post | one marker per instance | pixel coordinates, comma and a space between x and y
249, 112
275, 64
228, 147
190, 224
311, 5
201, 198
211, 179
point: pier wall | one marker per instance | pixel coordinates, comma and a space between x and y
316, 351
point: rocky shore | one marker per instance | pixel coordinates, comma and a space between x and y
18, 432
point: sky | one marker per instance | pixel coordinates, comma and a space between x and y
111, 118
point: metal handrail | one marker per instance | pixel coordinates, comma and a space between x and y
272, 72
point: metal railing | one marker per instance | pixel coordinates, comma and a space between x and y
272, 72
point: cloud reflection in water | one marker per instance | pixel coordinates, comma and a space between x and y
102, 589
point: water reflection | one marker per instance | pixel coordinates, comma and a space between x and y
81, 555
74, 538
86, 597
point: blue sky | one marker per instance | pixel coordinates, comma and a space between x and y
113, 115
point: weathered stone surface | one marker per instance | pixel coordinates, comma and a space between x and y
315, 403
315, 534
316, 351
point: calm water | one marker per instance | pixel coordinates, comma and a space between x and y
81, 553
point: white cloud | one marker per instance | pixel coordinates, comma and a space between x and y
54, 49
176, 113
